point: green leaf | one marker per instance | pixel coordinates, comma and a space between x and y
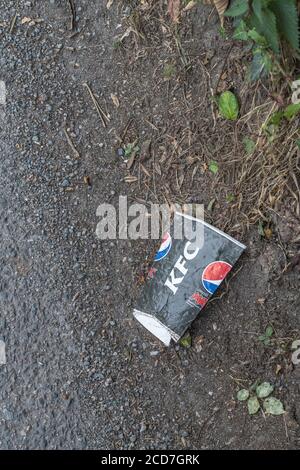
243, 395
287, 20
230, 197
269, 331
186, 341
169, 71
267, 28
273, 406
238, 8
261, 64
228, 105
128, 150
298, 143
264, 390
253, 405
213, 167
291, 111
241, 32
276, 118
249, 145
256, 37
257, 6
262, 338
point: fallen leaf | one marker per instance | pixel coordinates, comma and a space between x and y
174, 10
115, 100
87, 180
145, 171
131, 160
25, 20
145, 150
190, 5
221, 7
109, 4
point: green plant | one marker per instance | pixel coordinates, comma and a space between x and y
169, 71
131, 149
266, 337
272, 125
261, 391
213, 167
265, 23
249, 145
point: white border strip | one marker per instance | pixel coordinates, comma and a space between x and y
172, 333
190, 217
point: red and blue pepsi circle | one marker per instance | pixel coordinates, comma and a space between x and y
164, 248
214, 274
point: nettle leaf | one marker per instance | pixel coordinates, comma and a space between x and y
264, 390
253, 405
228, 105
267, 28
241, 32
238, 8
256, 37
261, 64
273, 406
287, 20
258, 6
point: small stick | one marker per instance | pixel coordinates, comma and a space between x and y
76, 153
73, 11
12, 24
286, 429
101, 113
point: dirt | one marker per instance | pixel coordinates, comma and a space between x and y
116, 386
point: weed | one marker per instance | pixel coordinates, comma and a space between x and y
261, 391
169, 71
266, 337
265, 23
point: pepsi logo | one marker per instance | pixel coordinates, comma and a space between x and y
164, 247
214, 274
